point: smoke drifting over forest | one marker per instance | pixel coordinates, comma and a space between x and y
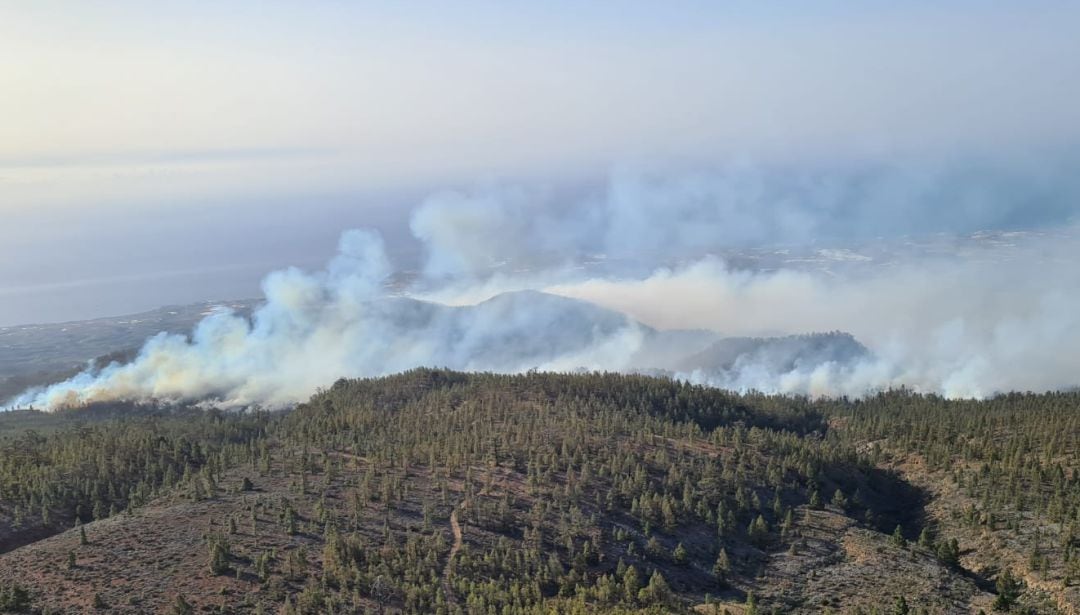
718, 278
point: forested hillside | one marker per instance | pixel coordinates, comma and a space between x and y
443, 492
1002, 473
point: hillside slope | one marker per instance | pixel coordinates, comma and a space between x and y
441, 492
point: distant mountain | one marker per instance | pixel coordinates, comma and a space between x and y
524, 330
510, 332
666, 351
515, 331
777, 354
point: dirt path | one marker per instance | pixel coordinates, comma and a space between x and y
455, 529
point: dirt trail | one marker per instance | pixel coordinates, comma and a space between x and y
455, 528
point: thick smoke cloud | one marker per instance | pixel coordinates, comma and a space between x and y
1000, 318
653, 216
681, 275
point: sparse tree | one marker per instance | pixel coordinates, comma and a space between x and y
1009, 589
758, 531
181, 606
949, 552
722, 568
898, 539
219, 556
925, 540
98, 602
679, 554
839, 500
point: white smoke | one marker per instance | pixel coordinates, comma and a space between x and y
959, 327
988, 314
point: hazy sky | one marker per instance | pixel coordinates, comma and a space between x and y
165, 152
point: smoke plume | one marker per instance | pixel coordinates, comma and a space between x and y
716, 278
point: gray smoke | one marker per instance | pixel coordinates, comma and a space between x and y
679, 275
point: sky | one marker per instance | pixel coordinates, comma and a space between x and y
163, 153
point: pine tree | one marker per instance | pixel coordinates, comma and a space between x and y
722, 568
839, 500
654, 548
1008, 590
949, 552
925, 540
290, 521
758, 531
679, 554
182, 607
219, 557
898, 537
788, 524
14, 598
98, 602
657, 592
631, 583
